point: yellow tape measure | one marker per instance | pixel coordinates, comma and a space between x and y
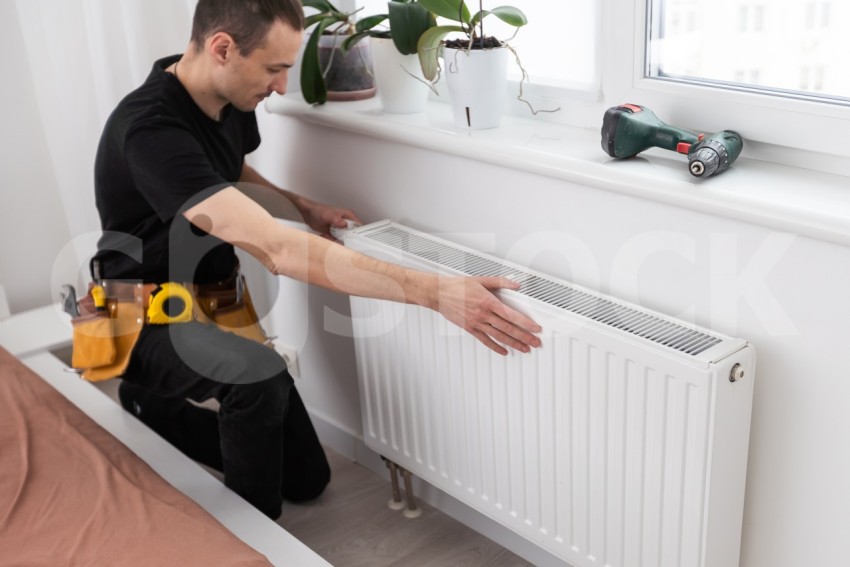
170, 303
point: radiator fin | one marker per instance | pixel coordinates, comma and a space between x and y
645, 325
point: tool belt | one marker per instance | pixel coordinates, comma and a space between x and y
114, 312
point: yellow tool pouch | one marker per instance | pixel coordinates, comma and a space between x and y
104, 339
230, 311
94, 341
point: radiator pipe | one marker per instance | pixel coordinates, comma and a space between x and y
412, 511
395, 502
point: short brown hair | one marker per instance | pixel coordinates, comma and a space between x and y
246, 21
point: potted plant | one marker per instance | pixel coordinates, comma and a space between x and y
328, 71
401, 84
475, 65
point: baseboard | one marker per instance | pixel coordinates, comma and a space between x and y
350, 444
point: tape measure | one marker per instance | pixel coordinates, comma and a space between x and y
170, 303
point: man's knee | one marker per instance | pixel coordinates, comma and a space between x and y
320, 481
268, 399
134, 398
309, 485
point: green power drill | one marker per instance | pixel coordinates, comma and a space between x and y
629, 129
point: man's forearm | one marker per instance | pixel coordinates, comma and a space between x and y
335, 267
287, 205
467, 302
298, 254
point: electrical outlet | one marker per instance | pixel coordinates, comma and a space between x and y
290, 355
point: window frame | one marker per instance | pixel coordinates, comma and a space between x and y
780, 127
793, 131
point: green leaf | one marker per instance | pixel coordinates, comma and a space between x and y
353, 39
369, 22
429, 49
310, 20
407, 23
320, 5
454, 10
478, 17
510, 15
313, 86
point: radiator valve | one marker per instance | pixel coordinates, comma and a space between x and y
737, 373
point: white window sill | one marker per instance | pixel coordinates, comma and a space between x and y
784, 198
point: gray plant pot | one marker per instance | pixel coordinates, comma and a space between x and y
350, 76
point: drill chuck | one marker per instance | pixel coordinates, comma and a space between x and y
714, 154
704, 161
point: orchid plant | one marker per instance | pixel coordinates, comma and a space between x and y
470, 25
331, 20
407, 20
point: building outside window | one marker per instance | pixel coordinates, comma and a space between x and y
795, 48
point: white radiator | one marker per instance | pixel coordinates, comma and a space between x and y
621, 442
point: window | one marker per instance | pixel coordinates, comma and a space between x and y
775, 70
794, 48
557, 48
800, 127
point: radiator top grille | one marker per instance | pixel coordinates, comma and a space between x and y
628, 319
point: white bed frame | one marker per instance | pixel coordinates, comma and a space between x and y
33, 336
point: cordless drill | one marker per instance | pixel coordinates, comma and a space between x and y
629, 129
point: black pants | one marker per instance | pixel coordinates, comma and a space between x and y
261, 438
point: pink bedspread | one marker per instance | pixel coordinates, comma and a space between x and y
72, 494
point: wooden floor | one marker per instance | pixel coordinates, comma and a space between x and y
350, 524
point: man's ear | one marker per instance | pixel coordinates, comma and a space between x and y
221, 47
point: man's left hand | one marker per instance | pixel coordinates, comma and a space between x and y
321, 217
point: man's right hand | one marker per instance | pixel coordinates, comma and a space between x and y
469, 303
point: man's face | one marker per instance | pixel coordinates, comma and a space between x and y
254, 77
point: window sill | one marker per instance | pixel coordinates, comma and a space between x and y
784, 198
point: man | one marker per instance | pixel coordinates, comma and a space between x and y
168, 161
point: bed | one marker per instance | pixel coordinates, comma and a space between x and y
82, 482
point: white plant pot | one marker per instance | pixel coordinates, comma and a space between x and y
400, 93
477, 80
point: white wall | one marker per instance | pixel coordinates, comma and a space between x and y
787, 294
798, 508
55, 101
33, 229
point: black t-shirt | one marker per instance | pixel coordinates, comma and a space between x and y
158, 155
